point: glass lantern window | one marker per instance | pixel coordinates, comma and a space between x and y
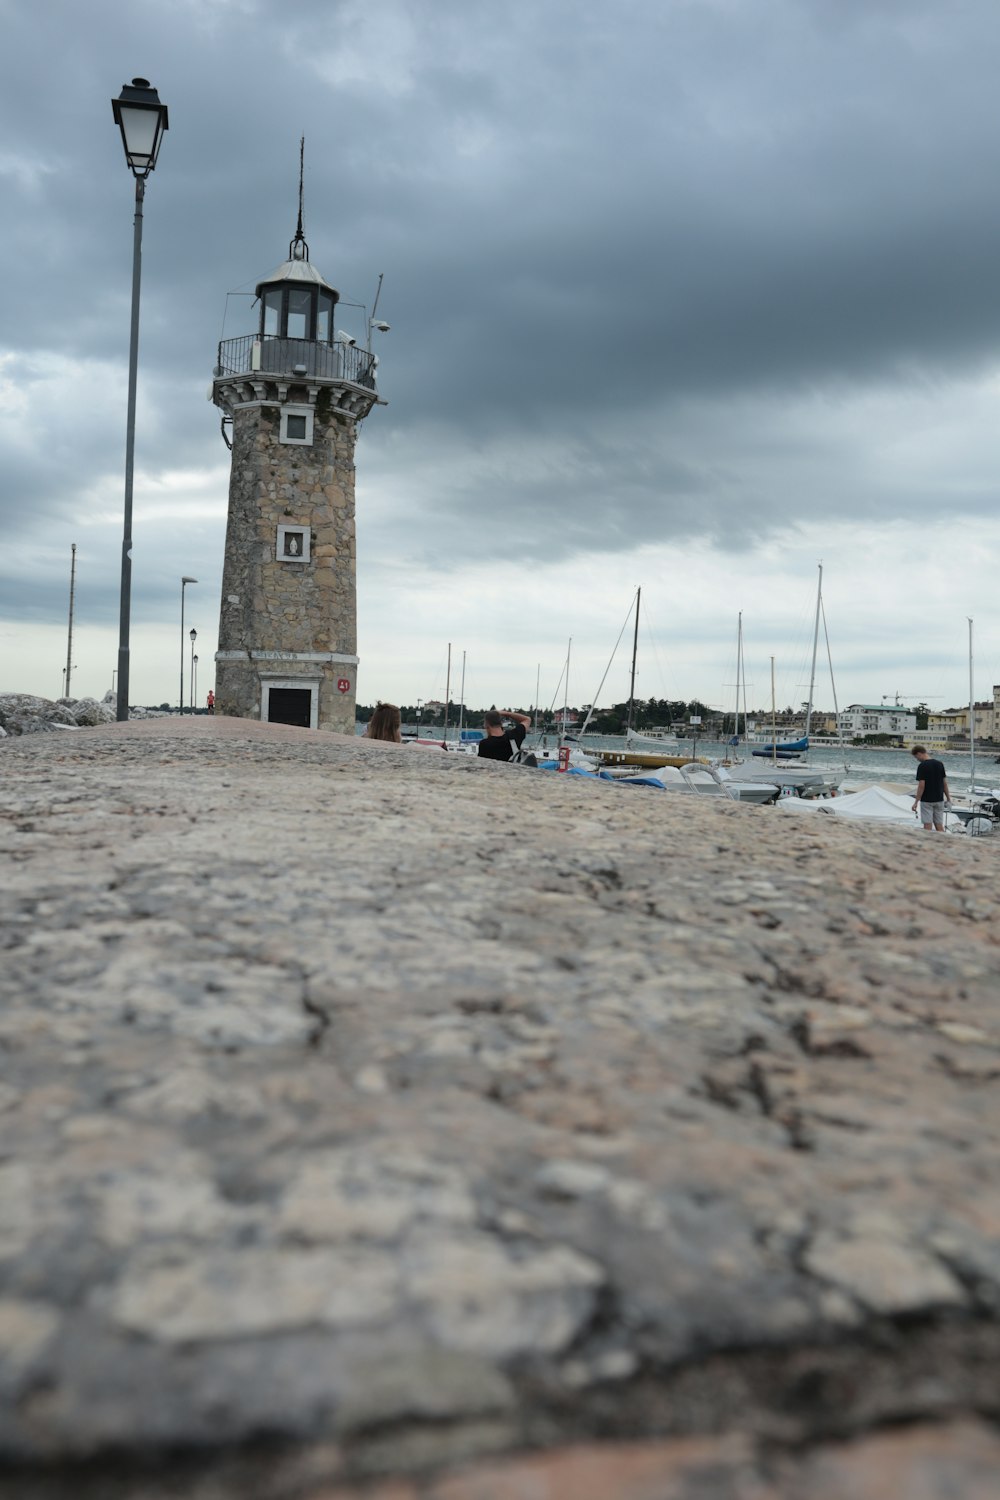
299, 314
324, 318
272, 314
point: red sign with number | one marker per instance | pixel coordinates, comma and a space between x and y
343, 684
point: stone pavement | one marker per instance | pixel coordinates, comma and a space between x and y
380, 1123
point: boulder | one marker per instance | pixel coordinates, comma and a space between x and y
24, 713
87, 711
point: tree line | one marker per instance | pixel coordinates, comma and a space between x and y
647, 713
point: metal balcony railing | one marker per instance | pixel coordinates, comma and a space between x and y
288, 358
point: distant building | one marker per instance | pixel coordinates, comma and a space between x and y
954, 722
860, 719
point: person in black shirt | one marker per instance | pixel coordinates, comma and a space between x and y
500, 743
932, 790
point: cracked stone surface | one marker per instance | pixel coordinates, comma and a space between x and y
381, 1123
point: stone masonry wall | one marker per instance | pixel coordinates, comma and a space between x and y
282, 607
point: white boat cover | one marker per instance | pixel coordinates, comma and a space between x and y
875, 805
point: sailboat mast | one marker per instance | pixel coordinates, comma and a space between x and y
972, 714
635, 650
739, 670
774, 721
833, 684
447, 695
461, 700
569, 647
812, 673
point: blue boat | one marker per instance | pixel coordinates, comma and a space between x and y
790, 747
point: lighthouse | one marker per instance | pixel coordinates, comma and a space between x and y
294, 393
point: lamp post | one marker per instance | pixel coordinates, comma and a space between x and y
194, 682
194, 637
142, 119
184, 584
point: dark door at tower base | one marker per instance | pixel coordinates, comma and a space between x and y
289, 706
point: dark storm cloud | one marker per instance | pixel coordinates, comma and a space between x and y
587, 221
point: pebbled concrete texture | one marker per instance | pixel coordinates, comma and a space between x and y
377, 1122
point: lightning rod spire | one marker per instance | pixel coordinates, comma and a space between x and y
298, 249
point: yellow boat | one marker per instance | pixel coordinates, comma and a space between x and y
648, 760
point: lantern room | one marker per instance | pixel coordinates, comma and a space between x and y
296, 302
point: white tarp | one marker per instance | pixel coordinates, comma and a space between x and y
875, 805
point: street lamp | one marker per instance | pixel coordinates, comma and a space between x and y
184, 584
142, 119
194, 681
194, 637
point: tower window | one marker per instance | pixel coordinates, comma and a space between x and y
300, 312
296, 425
271, 324
324, 317
292, 544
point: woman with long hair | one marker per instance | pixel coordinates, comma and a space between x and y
384, 724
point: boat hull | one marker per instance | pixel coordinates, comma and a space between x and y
648, 759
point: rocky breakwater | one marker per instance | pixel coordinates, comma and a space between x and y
379, 1123
26, 713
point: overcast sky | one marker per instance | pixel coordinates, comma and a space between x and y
686, 294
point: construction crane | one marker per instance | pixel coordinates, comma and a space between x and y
897, 697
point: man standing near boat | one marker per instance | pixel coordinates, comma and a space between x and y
932, 790
500, 743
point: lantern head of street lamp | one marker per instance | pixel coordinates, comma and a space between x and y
193, 634
142, 119
188, 580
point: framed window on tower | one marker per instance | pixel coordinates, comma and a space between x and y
296, 425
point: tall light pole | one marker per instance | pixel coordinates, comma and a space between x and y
142, 119
184, 583
69, 635
194, 682
194, 637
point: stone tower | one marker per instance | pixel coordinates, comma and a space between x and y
295, 392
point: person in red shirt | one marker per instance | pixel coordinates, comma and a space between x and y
211, 701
